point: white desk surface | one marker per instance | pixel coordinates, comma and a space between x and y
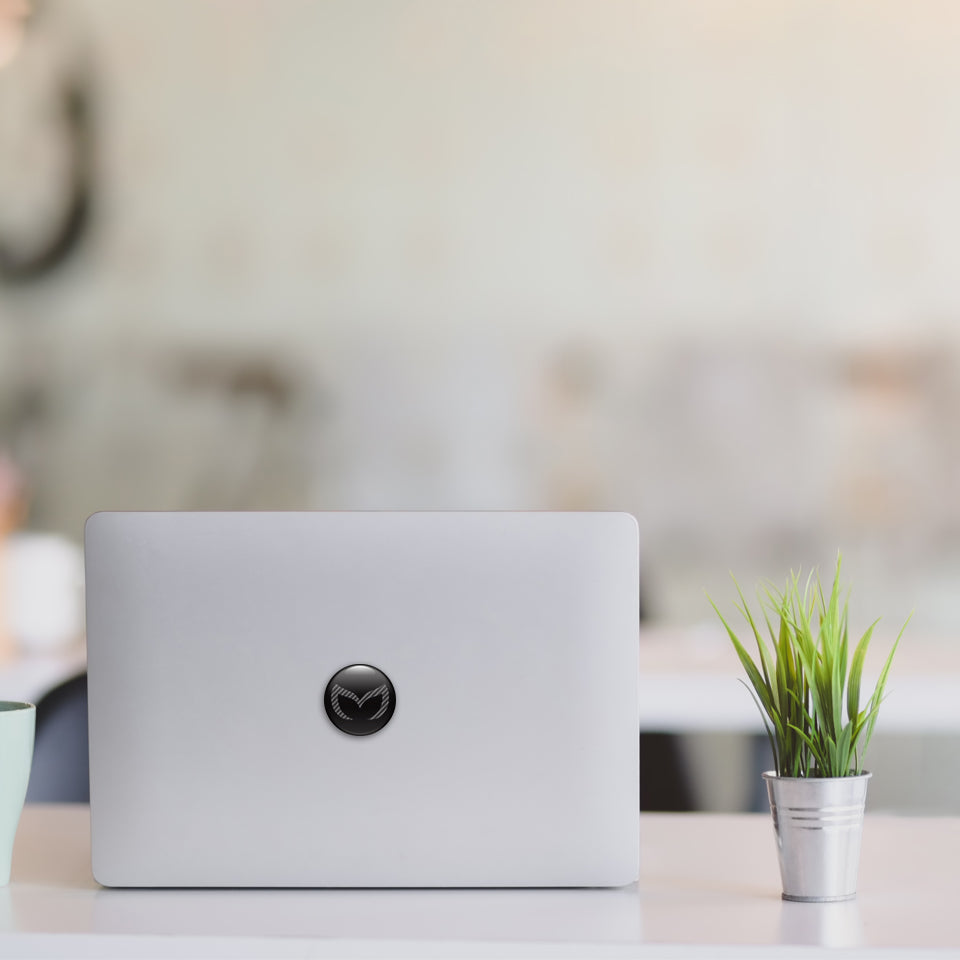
709, 887
689, 683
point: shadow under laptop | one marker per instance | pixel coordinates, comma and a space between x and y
568, 915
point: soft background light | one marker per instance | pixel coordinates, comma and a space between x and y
694, 260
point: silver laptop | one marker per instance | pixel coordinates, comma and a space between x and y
363, 699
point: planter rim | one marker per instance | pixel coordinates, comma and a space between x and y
772, 775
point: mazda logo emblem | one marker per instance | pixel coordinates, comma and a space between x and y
360, 699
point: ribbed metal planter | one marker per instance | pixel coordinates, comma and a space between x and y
818, 824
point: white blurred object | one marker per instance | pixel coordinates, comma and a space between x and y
44, 594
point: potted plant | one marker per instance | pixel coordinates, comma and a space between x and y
806, 683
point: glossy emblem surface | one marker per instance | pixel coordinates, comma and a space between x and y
360, 699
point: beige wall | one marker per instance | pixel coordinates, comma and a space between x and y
693, 260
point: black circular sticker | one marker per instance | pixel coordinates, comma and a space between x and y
359, 699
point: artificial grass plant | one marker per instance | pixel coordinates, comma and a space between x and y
806, 682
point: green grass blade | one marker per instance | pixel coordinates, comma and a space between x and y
843, 656
813, 747
773, 605
843, 751
856, 671
770, 735
766, 661
877, 697
746, 661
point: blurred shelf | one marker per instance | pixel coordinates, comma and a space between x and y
690, 683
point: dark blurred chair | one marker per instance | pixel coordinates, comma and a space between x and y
664, 782
61, 759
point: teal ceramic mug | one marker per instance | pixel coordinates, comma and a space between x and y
17, 723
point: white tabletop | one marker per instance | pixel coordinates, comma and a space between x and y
709, 887
690, 683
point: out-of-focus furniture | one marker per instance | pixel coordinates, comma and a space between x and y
54, 683
689, 684
61, 757
709, 886
43, 603
30, 677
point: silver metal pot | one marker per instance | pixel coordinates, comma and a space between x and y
818, 824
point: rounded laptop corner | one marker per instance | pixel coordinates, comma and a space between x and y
627, 873
101, 876
93, 522
623, 526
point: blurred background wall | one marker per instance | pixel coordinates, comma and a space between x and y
694, 260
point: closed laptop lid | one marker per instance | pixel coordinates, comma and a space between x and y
363, 699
